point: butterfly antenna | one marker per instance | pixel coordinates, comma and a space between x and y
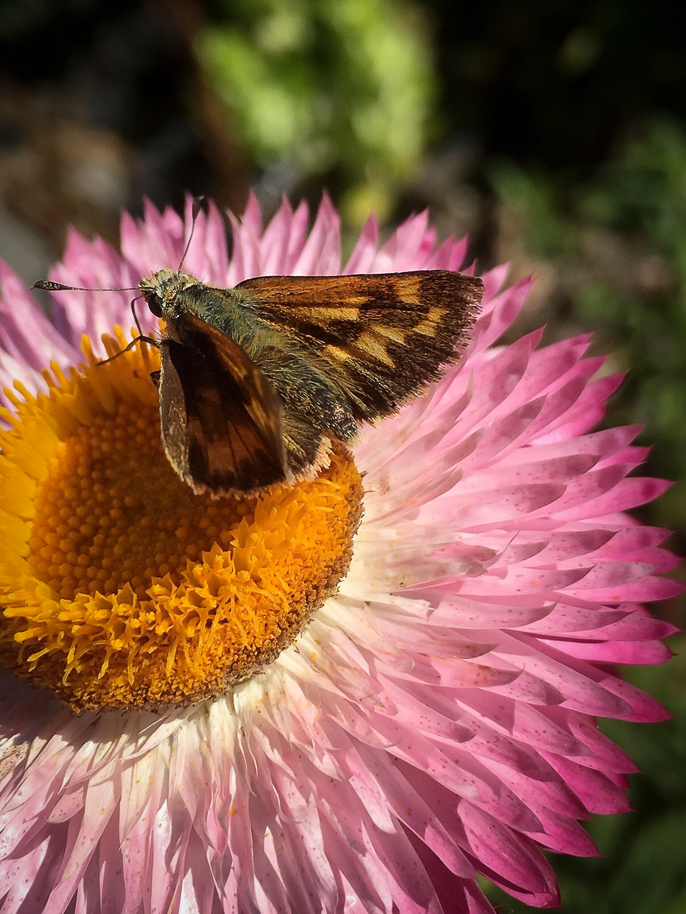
197, 206
48, 286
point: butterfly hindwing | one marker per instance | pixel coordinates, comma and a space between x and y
220, 418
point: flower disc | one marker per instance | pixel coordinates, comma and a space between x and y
121, 586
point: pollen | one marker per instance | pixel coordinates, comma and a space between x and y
120, 587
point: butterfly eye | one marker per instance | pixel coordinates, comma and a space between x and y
155, 303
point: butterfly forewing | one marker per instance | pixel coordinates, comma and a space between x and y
382, 336
220, 418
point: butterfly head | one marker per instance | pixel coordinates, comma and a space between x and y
163, 291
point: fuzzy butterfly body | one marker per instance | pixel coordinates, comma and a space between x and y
257, 381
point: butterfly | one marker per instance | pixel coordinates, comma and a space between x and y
256, 382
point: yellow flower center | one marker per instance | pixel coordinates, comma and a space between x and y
120, 587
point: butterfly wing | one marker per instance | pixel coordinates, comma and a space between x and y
220, 417
383, 336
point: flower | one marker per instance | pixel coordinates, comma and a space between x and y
434, 719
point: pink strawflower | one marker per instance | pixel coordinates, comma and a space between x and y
437, 717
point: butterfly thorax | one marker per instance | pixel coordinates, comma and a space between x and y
172, 295
166, 292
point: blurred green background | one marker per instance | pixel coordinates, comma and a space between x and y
554, 134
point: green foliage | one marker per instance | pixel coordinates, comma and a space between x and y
340, 89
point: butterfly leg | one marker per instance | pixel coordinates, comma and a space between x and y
139, 339
135, 316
